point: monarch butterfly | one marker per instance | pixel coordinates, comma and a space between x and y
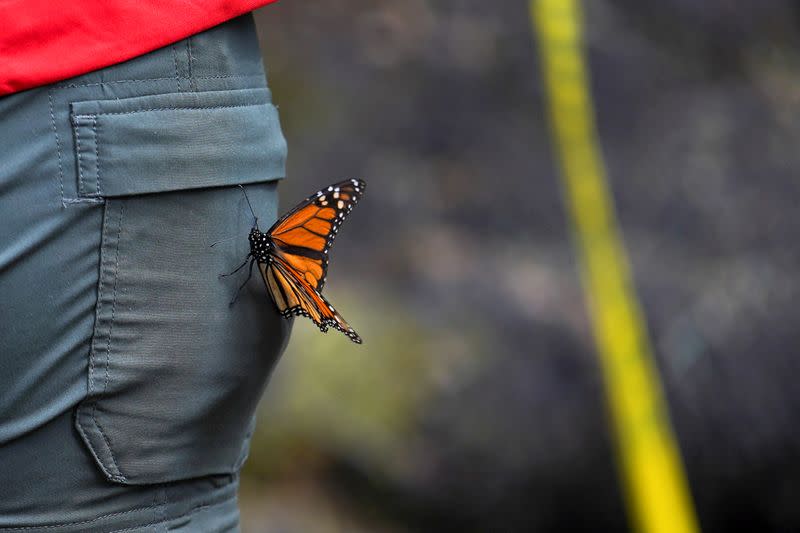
293, 254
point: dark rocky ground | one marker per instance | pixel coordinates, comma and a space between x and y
476, 403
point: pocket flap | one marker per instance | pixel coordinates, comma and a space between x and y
214, 138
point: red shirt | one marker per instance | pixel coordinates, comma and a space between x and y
44, 41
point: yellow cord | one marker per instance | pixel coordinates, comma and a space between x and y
655, 487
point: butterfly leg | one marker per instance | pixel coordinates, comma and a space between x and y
238, 268
249, 275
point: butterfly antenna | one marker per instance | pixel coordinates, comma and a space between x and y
249, 205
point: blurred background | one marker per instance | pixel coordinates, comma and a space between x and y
476, 402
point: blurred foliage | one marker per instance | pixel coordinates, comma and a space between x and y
330, 410
365, 403
475, 403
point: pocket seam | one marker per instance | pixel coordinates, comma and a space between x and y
108, 344
88, 169
78, 152
97, 156
111, 470
183, 108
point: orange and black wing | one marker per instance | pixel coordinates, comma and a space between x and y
304, 235
293, 296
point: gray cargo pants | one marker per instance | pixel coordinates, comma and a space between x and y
127, 384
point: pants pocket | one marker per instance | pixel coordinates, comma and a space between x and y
174, 372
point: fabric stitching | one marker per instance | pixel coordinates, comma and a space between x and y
83, 201
175, 60
89, 521
192, 83
172, 109
92, 360
83, 169
190, 512
145, 80
229, 76
80, 159
161, 510
100, 293
97, 153
119, 477
58, 147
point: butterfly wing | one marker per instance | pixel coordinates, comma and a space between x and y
293, 296
303, 236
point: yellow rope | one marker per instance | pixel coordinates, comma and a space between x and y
655, 487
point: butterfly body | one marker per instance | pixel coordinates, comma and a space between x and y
293, 254
260, 246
